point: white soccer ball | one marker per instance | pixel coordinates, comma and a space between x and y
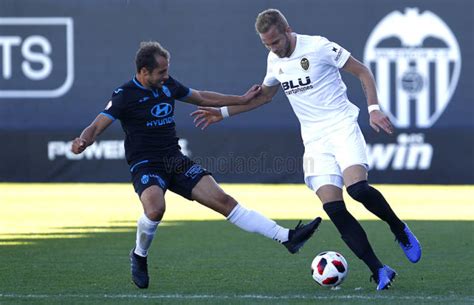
329, 268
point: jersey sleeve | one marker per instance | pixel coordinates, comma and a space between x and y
332, 53
180, 91
115, 106
270, 79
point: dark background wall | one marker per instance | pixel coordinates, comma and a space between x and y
214, 47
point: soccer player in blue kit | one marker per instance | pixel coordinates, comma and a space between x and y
145, 108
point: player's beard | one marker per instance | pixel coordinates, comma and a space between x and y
286, 49
154, 85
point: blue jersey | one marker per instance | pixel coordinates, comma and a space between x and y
147, 118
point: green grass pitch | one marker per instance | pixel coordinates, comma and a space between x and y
213, 262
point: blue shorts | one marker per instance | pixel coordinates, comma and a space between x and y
177, 173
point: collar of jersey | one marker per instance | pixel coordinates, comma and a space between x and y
139, 85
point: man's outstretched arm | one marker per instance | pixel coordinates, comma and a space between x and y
90, 133
215, 99
377, 118
206, 116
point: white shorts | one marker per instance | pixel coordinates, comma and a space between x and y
326, 158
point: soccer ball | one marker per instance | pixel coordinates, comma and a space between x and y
329, 269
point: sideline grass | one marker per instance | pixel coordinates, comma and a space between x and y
45, 208
69, 244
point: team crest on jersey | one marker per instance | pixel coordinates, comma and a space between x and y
304, 63
166, 91
145, 179
416, 61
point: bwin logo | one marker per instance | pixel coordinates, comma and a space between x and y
416, 61
290, 85
161, 110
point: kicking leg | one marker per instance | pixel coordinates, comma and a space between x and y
208, 193
355, 178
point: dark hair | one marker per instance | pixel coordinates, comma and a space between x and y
268, 18
146, 55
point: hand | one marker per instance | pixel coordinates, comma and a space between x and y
251, 93
379, 120
206, 116
78, 145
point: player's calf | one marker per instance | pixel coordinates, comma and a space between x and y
375, 202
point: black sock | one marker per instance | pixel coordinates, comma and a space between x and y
352, 233
374, 201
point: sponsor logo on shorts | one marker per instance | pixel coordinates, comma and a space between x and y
145, 179
193, 171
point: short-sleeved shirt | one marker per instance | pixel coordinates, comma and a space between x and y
311, 80
147, 118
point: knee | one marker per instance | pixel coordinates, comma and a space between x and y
359, 190
155, 213
153, 203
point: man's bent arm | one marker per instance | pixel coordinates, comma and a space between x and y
358, 69
90, 133
377, 118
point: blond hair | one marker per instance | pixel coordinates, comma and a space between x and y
268, 18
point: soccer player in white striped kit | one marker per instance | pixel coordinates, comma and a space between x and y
307, 68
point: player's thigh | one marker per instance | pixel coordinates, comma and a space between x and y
320, 165
349, 149
208, 193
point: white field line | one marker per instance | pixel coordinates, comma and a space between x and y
468, 299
